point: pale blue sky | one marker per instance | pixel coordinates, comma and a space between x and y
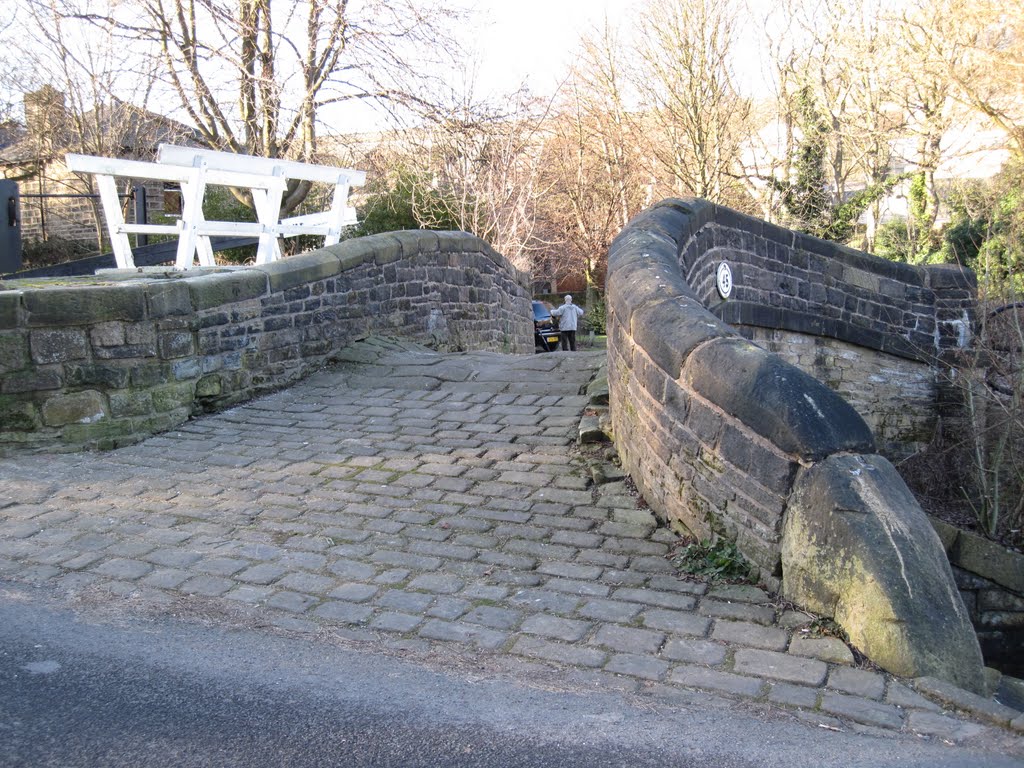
535, 40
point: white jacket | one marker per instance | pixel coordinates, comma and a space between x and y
567, 315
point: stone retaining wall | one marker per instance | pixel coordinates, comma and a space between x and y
991, 582
100, 362
727, 440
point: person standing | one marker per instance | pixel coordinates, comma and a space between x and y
568, 314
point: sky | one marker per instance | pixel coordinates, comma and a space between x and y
534, 40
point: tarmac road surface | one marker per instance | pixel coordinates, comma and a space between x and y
96, 687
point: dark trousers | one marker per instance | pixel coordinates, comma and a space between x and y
569, 340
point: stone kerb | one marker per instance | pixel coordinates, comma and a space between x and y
105, 361
724, 439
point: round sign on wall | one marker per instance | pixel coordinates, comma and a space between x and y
724, 280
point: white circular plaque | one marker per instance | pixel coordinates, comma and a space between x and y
724, 279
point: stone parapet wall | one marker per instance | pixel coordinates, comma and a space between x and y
714, 430
791, 281
793, 292
105, 361
725, 439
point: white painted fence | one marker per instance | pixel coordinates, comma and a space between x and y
194, 169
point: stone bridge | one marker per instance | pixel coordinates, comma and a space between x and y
728, 440
414, 499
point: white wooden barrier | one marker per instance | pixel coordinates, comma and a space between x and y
193, 169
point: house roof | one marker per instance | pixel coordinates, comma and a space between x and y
118, 129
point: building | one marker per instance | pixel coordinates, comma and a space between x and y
58, 204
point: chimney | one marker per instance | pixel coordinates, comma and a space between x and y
45, 115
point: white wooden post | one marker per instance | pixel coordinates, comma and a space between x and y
192, 193
340, 212
267, 203
115, 221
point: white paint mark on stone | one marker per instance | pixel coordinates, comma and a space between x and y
814, 405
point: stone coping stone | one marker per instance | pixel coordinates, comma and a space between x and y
953, 696
786, 406
10, 303
669, 330
217, 289
300, 270
85, 304
982, 557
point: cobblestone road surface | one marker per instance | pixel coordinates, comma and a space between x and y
434, 504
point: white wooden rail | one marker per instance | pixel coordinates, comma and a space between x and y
194, 169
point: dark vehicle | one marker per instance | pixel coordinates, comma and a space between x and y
545, 331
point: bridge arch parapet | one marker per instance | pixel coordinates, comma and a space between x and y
726, 439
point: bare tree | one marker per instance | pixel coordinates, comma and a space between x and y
593, 161
258, 76
484, 159
688, 91
978, 49
76, 99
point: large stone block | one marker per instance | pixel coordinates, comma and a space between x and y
168, 298
17, 415
14, 353
172, 396
669, 330
220, 288
175, 344
417, 241
57, 345
781, 403
102, 375
857, 547
10, 306
36, 379
300, 270
85, 407
989, 560
85, 304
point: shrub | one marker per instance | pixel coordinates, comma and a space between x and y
55, 250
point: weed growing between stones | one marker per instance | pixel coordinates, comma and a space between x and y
824, 627
714, 561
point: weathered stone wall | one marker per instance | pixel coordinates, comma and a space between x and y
110, 360
725, 439
792, 291
787, 280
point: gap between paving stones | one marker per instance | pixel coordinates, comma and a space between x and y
446, 510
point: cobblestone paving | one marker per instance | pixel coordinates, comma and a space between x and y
436, 501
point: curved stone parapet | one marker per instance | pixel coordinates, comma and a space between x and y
97, 362
725, 439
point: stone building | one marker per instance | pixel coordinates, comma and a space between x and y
56, 203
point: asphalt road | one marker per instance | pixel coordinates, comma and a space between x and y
102, 688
